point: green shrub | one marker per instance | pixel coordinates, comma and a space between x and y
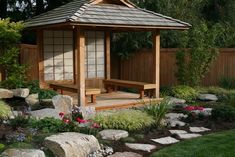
185, 92
33, 86
158, 111
52, 125
19, 121
130, 120
46, 94
227, 82
2, 146
223, 113
5, 110
166, 91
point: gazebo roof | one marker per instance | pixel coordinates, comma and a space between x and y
107, 13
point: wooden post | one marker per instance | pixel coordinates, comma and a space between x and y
107, 55
156, 62
80, 47
41, 58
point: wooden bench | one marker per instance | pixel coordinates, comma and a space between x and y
92, 92
141, 86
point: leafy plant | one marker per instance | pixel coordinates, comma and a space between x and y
223, 113
19, 121
52, 125
193, 63
185, 92
158, 111
33, 86
130, 120
166, 91
5, 110
227, 82
46, 94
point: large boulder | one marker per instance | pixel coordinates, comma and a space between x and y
110, 134
21, 92
63, 103
174, 119
72, 144
5, 93
43, 113
23, 153
87, 112
32, 99
175, 101
208, 97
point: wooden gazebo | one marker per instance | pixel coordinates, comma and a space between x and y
74, 42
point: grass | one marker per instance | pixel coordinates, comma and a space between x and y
214, 145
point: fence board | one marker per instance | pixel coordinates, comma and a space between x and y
139, 67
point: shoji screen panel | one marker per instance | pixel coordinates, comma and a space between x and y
58, 55
95, 56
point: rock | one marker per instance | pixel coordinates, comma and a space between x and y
205, 112
188, 136
63, 103
23, 153
125, 154
142, 147
87, 112
174, 123
104, 151
21, 92
198, 129
14, 114
43, 113
165, 140
176, 116
110, 134
32, 99
178, 132
175, 101
5, 94
208, 97
71, 144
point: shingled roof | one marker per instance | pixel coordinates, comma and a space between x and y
87, 13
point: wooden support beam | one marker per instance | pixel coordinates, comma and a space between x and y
41, 58
80, 50
156, 62
107, 55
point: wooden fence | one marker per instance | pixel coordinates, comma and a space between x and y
29, 56
139, 67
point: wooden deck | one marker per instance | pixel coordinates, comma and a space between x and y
115, 100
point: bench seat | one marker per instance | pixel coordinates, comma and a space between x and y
141, 86
73, 88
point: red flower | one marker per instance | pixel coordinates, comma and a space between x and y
61, 114
189, 108
95, 125
199, 108
81, 120
66, 120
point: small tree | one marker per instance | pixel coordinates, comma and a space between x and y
9, 54
193, 63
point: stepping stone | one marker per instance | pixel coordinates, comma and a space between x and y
198, 129
143, 147
174, 123
110, 134
176, 116
188, 136
22, 153
165, 140
125, 154
207, 97
178, 132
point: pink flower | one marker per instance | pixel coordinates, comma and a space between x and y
95, 125
199, 108
61, 114
66, 120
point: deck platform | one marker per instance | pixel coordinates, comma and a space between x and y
115, 100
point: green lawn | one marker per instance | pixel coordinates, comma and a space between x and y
214, 145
